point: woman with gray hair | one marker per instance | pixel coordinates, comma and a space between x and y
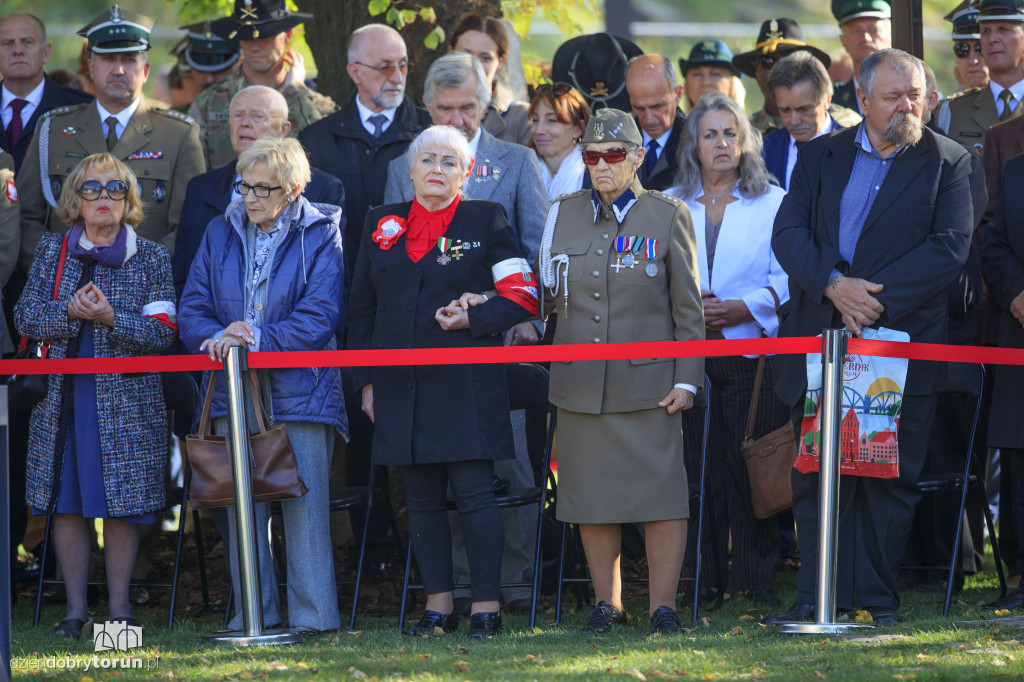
723, 180
269, 276
442, 425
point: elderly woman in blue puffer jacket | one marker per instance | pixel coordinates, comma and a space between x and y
270, 276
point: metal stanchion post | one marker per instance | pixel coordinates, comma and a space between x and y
251, 598
833, 353
5, 542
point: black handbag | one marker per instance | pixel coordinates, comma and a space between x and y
27, 390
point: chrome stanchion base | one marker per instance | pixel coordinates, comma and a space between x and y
820, 628
269, 637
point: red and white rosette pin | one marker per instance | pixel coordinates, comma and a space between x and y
389, 229
12, 191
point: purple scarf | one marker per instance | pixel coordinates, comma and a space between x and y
109, 255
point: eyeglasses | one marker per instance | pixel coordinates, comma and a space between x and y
556, 90
90, 190
610, 156
261, 191
387, 69
767, 63
962, 49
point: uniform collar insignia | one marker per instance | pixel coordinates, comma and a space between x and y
620, 207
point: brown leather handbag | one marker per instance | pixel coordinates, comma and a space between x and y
275, 474
769, 460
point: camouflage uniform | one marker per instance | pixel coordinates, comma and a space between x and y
210, 111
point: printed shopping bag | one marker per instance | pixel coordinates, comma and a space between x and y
872, 396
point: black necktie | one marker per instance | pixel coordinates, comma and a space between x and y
378, 121
799, 144
652, 157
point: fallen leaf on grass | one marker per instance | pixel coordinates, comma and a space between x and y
633, 672
405, 649
354, 633
906, 676
530, 658
422, 655
962, 647
924, 657
460, 650
277, 665
205, 660
356, 673
654, 672
863, 616
167, 675
698, 652
746, 617
303, 665
818, 673
998, 662
462, 666
705, 622
593, 644
736, 630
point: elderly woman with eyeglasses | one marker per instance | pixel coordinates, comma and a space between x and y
98, 443
269, 276
618, 264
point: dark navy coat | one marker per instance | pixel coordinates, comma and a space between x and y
432, 414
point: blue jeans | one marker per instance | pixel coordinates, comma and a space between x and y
312, 591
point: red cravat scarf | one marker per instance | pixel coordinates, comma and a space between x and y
424, 228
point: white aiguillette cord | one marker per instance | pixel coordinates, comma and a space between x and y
553, 266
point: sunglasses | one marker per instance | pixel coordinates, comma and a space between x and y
387, 69
90, 190
260, 191
610, 156
555, 89
962, 49
767, 63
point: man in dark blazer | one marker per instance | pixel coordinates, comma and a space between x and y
803, 94
654, 94
256, 111
345, 145
876, 224
25, 88
1003, 266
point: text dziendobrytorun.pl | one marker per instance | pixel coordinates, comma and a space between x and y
84, 663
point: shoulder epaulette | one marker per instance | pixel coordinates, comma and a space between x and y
675, 201
963, 93
570, 195
60, 111
171, 113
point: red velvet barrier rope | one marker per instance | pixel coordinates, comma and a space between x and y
454, 356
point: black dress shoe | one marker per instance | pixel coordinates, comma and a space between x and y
429, 621
665, 621
797, 612
765, 598
1010, 602
484, 625
884, 615
601, 619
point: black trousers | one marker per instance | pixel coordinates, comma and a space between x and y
875, 517
755, 543
471, 483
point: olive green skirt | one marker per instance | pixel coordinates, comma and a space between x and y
621, 467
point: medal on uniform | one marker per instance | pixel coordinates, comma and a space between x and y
620, 246
457, 252
444, 243
628, 260
652, 253
159, 192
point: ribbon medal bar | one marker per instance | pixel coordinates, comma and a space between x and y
444, 243
652, 253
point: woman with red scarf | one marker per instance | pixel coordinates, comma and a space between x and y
442, 425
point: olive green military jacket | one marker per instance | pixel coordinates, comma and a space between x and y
966, 116
610, 304
160, 146
10, 216
211, 111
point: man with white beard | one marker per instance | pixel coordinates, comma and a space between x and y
877, 223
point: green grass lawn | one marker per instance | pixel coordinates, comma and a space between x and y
729, 645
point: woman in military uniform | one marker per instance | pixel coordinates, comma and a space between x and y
618, 263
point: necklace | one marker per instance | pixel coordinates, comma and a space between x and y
716, 197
